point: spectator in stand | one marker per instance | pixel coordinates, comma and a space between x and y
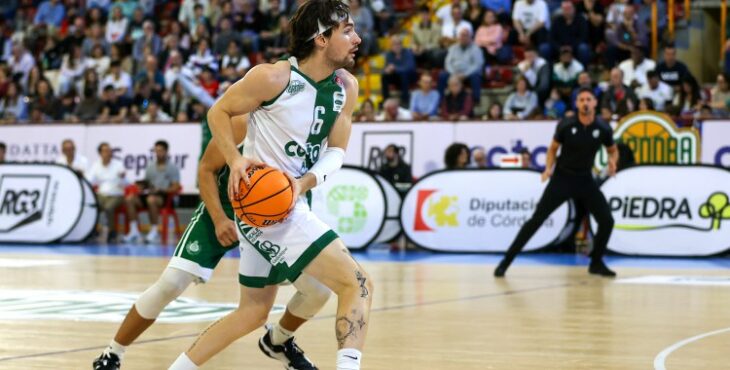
144, 93
176, 101
50, 12
384, 17
76, 35
69, 158
636, 67
671, 70
13, 106
233, 59
721, 94
279, 44
659, 92
46, 101
465, 61
93, 15
500, 7
690, 99
538, 73
172, 45
457, 104
31, 83
198, 18
646, 104
95, 38
456, 156
208, 82
72, 70
615, 13
152, 74
173, 68
426, 40
624, 37
90, 107
366, 112
568, 29
619, 99
643, 14
68, 105
425, 101
399, 70
555, 106
595, 14
479, 157
202, 58
124, 60
250, 23
91, 81
37, 115
474, 13
392, 111
187, 10
489, 37
394, 169
531, 20
116, 27
129, 7
522, 103
450, 31
224, 37
116, 106
494, 113
161, 181
585, 82
21, 62
271, 11
3, 149
154, 114
565, 73
148, 39
107, 177
443, 13
120, 80
98, 61
365, 26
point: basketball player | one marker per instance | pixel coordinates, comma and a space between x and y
578, 138
210, 234
301, 112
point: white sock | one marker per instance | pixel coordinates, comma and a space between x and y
117, 349
133, 228
183, 362
280, 335
348, 359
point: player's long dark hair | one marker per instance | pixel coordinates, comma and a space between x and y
304, 24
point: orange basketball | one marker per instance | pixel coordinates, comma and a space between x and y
267, 201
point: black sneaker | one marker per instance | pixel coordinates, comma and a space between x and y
107, 361
600, 268
288, 352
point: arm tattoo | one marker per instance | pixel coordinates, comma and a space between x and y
361, 279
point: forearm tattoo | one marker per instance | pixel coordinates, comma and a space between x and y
361, 279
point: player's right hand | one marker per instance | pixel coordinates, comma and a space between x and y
546, 175
225, 232
239, 169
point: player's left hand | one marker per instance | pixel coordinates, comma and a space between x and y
296, 188
611, 169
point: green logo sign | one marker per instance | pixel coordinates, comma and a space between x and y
346, 202
717, 208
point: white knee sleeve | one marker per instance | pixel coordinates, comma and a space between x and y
310, 297
169, 286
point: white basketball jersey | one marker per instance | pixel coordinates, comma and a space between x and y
290, 131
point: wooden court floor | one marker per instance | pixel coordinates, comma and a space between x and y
425, 316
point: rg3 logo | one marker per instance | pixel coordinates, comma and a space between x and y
22, 200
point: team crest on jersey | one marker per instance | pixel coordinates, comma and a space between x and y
295, 87
193, 248
596, 133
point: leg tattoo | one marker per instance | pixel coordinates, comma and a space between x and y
361, 279
344, 328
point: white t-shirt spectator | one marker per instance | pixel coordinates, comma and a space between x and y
109, 178
636, 72
123, 82
452, 30
567, 74
531, 71
80, 163
444, 13
531, 14
660, 96
161, 116
243, 64
115, 30
403, 115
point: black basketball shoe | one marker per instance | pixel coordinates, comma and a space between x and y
288, 352
107, 361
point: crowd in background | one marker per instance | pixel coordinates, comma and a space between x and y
153, 61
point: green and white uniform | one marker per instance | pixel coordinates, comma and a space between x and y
289, 132
198, 251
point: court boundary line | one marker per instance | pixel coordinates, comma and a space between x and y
325, 317
661, 358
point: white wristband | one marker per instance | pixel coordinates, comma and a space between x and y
330, 161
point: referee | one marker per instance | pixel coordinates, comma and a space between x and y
580, 138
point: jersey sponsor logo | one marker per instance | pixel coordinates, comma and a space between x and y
103, 306
295, 87
442, 212
23, 200
596, 133
655, 138
338, 101
293, 149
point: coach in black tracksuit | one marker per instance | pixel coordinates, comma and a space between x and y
580, 137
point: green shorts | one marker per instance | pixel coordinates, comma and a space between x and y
275, 254
198, 251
